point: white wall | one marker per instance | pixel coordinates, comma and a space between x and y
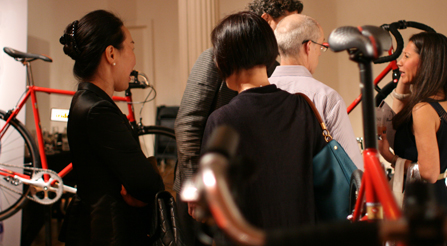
13, 27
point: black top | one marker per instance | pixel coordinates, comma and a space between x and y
205, 92
279, 135
405, 147
105, 152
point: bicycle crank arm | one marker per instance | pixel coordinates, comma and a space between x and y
35, 183
70, 189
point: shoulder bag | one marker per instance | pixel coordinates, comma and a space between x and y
332, 170
165, 229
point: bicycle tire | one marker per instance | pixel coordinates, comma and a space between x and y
356, 180
15, 138
160, 134
159, 141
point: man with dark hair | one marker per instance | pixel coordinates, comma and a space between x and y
300, 42
274, 9
205, 92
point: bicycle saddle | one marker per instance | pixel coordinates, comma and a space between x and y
18, 55
371, 41
381, 36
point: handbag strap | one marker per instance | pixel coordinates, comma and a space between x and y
326, 134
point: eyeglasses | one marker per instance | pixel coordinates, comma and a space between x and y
323, 48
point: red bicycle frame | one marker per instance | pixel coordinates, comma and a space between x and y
377, 189
391, 66
374, 186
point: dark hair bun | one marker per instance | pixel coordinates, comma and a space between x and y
86, 40
69, 41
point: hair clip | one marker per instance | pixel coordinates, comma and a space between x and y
74, 26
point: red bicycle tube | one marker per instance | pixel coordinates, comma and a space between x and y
391, 66
359, 201
40, 141
9, 173
380, 190
66, 170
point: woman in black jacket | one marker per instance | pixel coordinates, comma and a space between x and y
116, 183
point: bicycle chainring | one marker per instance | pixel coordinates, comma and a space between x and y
44, 192
39, 191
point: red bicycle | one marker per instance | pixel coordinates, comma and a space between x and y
23, 164
370, 183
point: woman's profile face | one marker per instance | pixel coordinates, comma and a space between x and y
409, 63
126, 62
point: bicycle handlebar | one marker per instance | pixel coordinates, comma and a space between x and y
393, 28
138, 80
210, 186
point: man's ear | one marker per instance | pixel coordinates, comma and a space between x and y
307, 47
267, 17
110, 54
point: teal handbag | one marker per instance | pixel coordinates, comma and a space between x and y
332, 170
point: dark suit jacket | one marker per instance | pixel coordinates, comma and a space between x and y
105, 152
105, 156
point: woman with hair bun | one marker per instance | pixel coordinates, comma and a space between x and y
116, 183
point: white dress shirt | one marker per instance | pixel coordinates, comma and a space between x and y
328, 102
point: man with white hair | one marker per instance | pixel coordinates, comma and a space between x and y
300, 40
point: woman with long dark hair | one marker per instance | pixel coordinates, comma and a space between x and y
420, 103
116, 183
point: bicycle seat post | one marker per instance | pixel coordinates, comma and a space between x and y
29, 72
368, 108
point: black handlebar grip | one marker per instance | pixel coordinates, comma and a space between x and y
224, 140
399, 44
393, 28
384, 92
420, 26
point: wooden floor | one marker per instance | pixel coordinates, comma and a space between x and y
167, 173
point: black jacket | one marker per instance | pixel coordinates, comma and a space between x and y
106, 155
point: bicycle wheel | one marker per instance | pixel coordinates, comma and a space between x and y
17, 148
159, 141
356, 180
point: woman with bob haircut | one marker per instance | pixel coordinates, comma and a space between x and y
420, 103
279, 133
116, 182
